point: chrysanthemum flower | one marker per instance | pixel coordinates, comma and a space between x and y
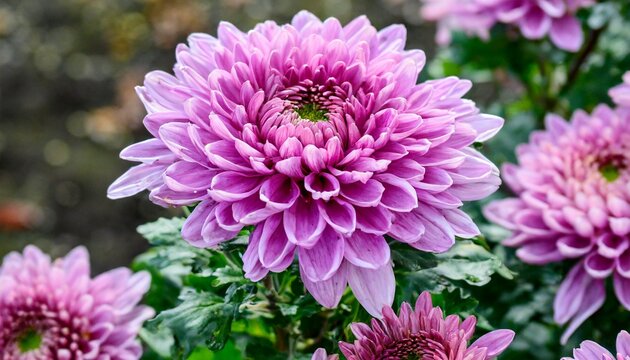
621, 93
535, 18
318, 135
423, 333
590, 350
54, 310
573, 202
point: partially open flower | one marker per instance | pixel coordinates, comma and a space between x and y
590, 350
54, 310
318, 136
423, 333
535, 18
573, 203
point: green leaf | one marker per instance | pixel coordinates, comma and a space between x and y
163, 231
202, 318
471, 263
159, 340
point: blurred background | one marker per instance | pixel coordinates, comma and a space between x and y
68, 69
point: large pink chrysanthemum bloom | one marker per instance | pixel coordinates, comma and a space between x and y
535, 18
54, 310
318, 135
573, 202
423, 333
590, 350
621, 93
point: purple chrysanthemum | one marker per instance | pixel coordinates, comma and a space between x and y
621, 93
535, 18
573, 202
590, 350
54, 310
424, 334
318, 135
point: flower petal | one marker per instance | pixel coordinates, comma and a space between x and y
367, 250
373, 288
327, 292
496, 342
321, 261
303, 223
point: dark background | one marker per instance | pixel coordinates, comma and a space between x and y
68, 69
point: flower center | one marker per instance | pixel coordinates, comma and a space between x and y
415, 347
29, 340
611, 167
610, 172
312, 112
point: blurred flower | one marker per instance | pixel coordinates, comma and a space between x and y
535, 18
317, 135
621, 93
54, 310
574, 203
19, 215
473, 17
110, 123
590, 350
423, 333
173, 19
321, 354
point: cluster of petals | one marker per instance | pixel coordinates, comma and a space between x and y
535, 18
572, 187
590, 350
422, 333
319, 136
54, 310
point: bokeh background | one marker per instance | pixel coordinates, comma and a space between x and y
68, 69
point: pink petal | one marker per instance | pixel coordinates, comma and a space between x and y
368, 194
374, 289
593, 299
303, 223
321, 261
398, 195
327, 292
496, 342
374, 220
279, 192
322, 186
274, 246
340, 215
566, 33
367, 250
570, 294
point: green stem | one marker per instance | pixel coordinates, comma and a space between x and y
585, 52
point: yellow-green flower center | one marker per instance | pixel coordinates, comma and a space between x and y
29, 340
312, 112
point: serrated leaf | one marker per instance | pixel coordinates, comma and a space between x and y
469, 262
202, 318
163, 231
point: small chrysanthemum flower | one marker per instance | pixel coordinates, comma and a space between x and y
321, 354
535, 18
318, 136
423, 333
590, 350
573, 202
54, 310
621, 93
